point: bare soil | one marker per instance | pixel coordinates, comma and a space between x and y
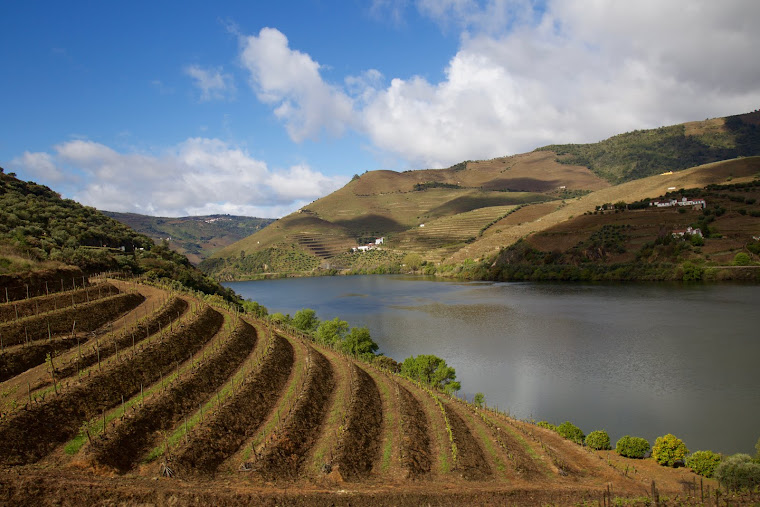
471, 461
415, 443
121, 448
284, 458
237, 420
360, 445
29, 434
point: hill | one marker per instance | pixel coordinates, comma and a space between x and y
195, 237
176, 399
470, 210
42, 233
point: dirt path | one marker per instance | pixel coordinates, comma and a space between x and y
121, 448
415, 444
28, 435
15, 392
286, 455
224, 433
360, 442
471, 461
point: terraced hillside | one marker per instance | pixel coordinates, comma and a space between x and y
170, 400
442, 214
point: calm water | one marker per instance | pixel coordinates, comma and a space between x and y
644, 360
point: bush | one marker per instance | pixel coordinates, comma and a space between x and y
547, 425
669, 450
741, 259
703, 463
738, 472
598, 440
570, 431
632, 447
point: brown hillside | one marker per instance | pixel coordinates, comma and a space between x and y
213, 407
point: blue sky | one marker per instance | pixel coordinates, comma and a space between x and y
257, 108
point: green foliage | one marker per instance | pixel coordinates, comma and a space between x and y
632, 447
280, 318
598, 440
738, 472
479, 400
571, 432
255, 309
359, 343
306, 320
668, 450
644, 153
332, 332
547, 425
757, 450
691, 272
413, 261
418, 187
431, 370
703, 462
741, 259
388, 363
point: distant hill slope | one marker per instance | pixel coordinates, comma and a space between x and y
196, 237
41, 231
450, 215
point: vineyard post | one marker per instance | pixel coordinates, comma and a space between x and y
73, 305
26, 336
87, 292
73, 327
2, 348
29, 392
15, 307
123, 409
47, 292
6, 294
50, 336
36, 307
104, 420
27, 292
185, 429
142, 395
200, 406
97, 346
61, 284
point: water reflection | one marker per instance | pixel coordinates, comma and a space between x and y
632, 359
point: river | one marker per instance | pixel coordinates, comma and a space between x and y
638, 359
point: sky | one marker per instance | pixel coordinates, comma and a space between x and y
178, 108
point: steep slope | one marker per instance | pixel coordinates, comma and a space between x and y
449, 215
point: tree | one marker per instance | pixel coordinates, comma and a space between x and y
413, 261
669, 450
738, 472
280, 318
358, 342
741, 259
431, 370
479, 400
306, 320
331, 332
254, 308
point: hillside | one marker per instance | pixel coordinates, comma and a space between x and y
171, 399
471, 210
195, 237
40, 231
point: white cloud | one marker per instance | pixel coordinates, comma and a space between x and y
197, 176
38, 165
526, 76
213, 84
291, 82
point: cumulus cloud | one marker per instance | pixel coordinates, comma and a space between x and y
213, 83
526, 76
39, 166
290, 81
197, 176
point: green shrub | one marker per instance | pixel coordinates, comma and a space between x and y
632, 447
598, 440
547, 425
669, 450
738, 472
741, 259
703, 462
570, 431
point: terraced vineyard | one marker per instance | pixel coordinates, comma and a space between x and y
165, 399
